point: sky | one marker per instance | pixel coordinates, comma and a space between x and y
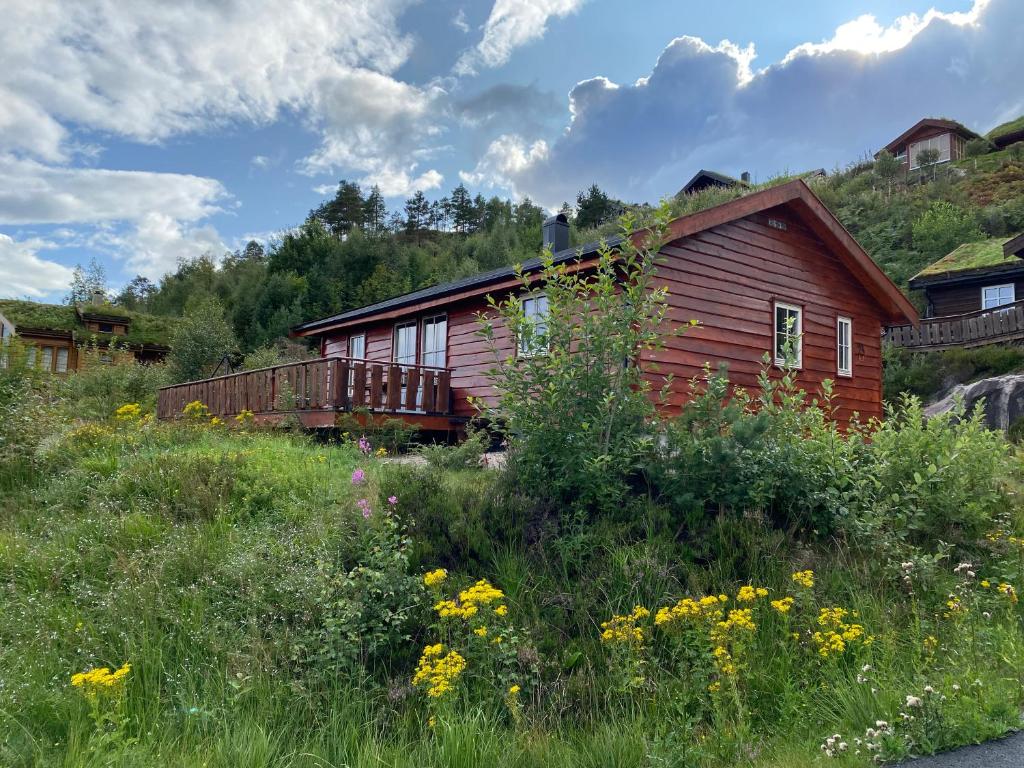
144, 133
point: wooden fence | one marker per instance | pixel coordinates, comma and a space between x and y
973, 329
325, 384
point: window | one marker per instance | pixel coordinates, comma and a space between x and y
405, 343
941, 143
788, 332
62, 360
997, 295
30, 357
435, 341
844, 346
47, 359
106, 328
357, 346
535, 311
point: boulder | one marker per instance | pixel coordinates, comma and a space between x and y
1003, 396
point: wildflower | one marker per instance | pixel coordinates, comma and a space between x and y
101, 680
498, 640
749, 594
436, 673
1009, 591
358, 476
245, 416
985, 583
216, 421
914, 701
930, 643
783, 605
128, 412
929, 689
364, 507
623, 630
501, 610
431, 722
514, 690
715, 687
381, 452
392, 500
480, 631
804, 578
435, 577
364, 446
195, 411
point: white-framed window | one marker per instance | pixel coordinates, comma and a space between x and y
435, 341
789, 329
844, 346
62, 359
941, 143
535, 313
357, 346
30, 356
993, 296
47, 358
405, 343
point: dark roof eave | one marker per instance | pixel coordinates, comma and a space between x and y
975, 274
448, 289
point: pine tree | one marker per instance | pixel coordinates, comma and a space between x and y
463, 214
375, 212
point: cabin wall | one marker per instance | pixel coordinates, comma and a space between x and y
728, 279
960, 299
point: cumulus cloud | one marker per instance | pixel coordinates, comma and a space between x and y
24, 273
512, 24
36, 193
157, 243
827, 103
505, 158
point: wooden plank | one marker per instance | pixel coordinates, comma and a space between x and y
412, 388
340, 396
359, 385
443, 392
323, 397
376, 385
428, 391
394, 401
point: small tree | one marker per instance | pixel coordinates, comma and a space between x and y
928, 158
887, 168
942, 228
87, 283
977, 147
200, 340
577, 407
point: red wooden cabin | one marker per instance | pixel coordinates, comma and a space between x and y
742, 269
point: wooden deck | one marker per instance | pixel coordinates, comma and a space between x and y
316, 390
973, 329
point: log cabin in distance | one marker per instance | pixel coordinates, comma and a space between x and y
751, 271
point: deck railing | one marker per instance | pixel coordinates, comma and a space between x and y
324, 384
972, 329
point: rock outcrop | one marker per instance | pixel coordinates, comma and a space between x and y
1003, 396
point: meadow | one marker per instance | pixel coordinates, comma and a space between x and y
260, 598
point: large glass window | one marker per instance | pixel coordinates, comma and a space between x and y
435, 341
940, 143
844, 346
357, 346
534, 339
62, 359
788, 333
997, 295
47, 358
405, 343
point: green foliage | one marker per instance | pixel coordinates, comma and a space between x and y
577, 408
942, 228
977, 147
464, 455
201, 340
929, 374
98, 388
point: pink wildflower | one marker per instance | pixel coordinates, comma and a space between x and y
358, 476
364, 445
392, 500
364, 507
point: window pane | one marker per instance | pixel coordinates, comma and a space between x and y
844, 342
787, 334
535, 310
357, 346
405, 344
30, 357
62, 360
435, 333
47, 359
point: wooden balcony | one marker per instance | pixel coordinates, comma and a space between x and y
974, 329
315, 390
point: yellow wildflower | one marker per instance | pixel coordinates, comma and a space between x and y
985, 583
783, 605
501, 610
435, 577
128, 412
748, 593
514, 690
480, 631
1009, 591
380, 453
436, 673
804, 578
624, 630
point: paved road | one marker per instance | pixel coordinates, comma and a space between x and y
1004, 753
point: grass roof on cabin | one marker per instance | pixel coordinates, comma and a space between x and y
984, 253
143, 329
1010, 127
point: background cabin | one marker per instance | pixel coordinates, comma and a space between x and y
757, 272
947, 137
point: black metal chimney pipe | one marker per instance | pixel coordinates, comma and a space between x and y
556, 232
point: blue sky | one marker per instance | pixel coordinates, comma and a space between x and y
144, 133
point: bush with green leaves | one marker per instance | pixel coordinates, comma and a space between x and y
201, 340
577, 407
943, 227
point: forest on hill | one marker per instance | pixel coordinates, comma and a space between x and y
351, 251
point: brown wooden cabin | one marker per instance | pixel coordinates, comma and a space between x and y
974, 296
741, 269
947, 136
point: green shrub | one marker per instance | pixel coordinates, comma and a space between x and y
463, 455
928, 374
99, 388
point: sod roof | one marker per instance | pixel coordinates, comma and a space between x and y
143, 328
970, 257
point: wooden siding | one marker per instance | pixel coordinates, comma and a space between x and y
959, 299
727, 277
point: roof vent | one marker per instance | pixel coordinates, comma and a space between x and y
745, 177
556, 232
98, 297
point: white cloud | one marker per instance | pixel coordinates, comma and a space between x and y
459, 22
325, 189
24, 273
400, 183
512, 24
825, 104
35, 193
260, 161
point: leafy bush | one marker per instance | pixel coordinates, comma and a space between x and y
96, 390
577, 415
929, 374
465, 454
942, 228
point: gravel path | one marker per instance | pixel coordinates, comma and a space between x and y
1002, 753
